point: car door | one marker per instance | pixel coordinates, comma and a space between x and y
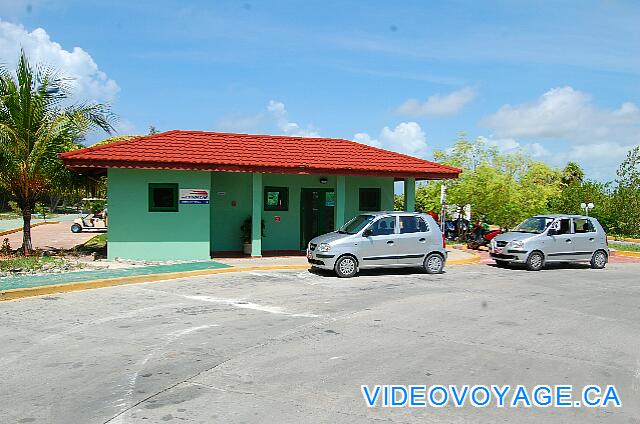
561, 246
412, 239
379, 247
585, 238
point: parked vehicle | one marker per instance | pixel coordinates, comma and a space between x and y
380, 239
552, 238
481, 238
457, 229
91, 221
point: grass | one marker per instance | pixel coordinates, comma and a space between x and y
36, 215
97, 244
625, 247
31, 263
9, 215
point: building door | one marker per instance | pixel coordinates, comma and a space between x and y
316, 213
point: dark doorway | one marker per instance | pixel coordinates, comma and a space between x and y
316, 213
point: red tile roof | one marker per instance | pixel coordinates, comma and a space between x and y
198, 150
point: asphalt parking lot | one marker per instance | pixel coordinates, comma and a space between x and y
293, 346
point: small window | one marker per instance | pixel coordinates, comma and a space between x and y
384, 226
412, 224
583, 225
276, 198
163, 197
370, 199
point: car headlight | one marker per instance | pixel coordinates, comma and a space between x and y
324, 247
517, 244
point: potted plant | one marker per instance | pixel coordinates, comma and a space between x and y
246, 234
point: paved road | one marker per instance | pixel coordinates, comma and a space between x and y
293, 347
51, 236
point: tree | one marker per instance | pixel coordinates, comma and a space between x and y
36, 124
626, 196
572, 173
505, 188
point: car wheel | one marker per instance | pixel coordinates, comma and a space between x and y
433, 264
502, 264
76, 228
346, 267
535, 261
599, 259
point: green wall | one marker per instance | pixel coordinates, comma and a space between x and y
228, 188
136, 233
226, 219
196, 230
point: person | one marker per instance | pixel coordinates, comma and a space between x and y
478, 230
434, 216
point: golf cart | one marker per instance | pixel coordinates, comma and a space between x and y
96, 220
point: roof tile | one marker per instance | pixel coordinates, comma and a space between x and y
254, 153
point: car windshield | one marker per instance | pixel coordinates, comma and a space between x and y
535, 225
356, 224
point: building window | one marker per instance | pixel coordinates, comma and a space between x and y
163, 197
276, 198
370, 199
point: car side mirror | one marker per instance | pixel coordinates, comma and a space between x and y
552, 232
367, 233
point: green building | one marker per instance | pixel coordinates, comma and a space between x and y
196, 195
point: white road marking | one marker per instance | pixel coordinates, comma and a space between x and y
238, 303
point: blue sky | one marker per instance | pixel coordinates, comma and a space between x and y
559, 79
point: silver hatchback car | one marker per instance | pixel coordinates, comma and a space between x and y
380, 239
552, 238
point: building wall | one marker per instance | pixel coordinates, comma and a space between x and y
235, 188
196, 230
227, 189
136, 233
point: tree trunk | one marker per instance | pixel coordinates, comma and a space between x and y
53, 204
27, 247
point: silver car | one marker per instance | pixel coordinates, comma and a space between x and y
552, 238
380, 239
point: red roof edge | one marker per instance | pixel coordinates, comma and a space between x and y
75, 160
103, 146
78, 164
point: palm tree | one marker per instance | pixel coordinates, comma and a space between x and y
36, 124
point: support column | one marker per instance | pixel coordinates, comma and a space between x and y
410, 194
256, 214
341, 200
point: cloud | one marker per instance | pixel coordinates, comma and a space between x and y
240, 124
438, 104
600, 160
406, 137
275, 114
510, 145
90, 83
564, 125
566, 113
279, 112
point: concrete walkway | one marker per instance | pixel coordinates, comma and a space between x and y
51, 236
37, 285
12, 224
